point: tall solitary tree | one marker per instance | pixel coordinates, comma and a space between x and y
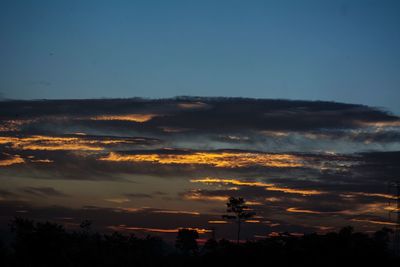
240, 211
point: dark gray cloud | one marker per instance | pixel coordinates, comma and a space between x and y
346, 154
218, 114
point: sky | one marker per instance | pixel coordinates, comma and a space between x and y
154, 166
345, 51
146, 116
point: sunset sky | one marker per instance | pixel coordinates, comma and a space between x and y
157, 165
145, 116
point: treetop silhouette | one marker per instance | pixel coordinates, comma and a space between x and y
241, 212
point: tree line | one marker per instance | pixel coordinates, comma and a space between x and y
50, 244
42, 244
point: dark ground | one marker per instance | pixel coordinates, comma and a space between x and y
49, 244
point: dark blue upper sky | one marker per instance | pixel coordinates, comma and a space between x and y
330, 50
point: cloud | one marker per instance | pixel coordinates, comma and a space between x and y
4, 194
235, 113
301, 164
215, 159
7, 160
138, 195
209, 180
303, 211
117, 200
126, 117
43, 191
157, 230
375, 222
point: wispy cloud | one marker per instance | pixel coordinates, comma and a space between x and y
43, 191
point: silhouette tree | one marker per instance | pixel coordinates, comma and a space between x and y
48, 244
241, 212
186, 240
210, 245
86, 226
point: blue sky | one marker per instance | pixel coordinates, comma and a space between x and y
343, 51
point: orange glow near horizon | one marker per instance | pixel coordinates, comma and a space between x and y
158, 230
222, 160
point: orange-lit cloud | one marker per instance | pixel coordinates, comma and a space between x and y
61, 147
127, 117
177, 212
15, 159
304, 192
271, 224
374, 222
253, 203
40, 142
324, 228
192, 105
217, 222
209, 180
269, 187
252, 221
373, 208
274, 234
157, 230
197, 195
42, 160
148, 209
275, 133
296, 210
272, 199
382, 124
128, 210
223, 159
388, 196
369, 208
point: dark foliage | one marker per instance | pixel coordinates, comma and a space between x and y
186, 241
241, 212
49, 244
